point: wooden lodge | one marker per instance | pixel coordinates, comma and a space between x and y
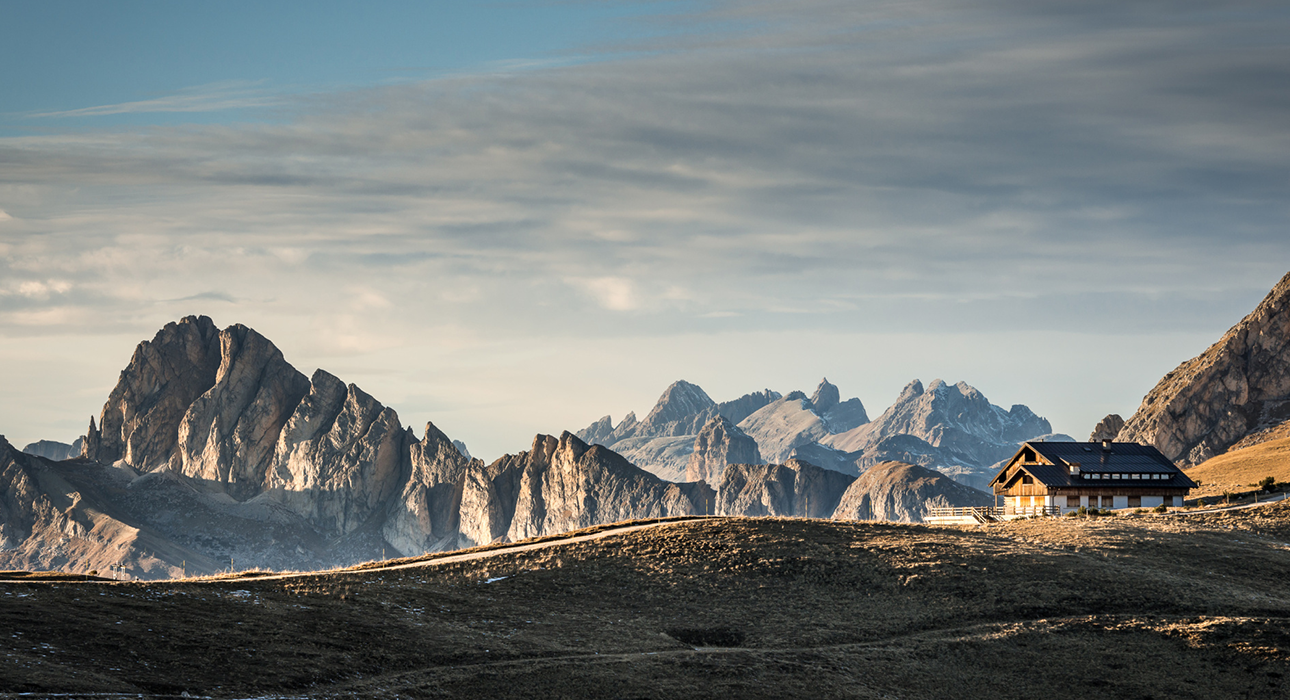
1054, 478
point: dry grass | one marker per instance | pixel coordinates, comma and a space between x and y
1132, 606
1240, 469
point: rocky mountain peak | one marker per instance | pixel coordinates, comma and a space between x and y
1240, 385
679, 401
140, 420
826, 396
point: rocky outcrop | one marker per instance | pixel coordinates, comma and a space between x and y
718, 444
793, 489
1107, 428
738, 409
426, 517
902, 492
56, 451
839, 416
141, 419
567, 485
339, 457
1238, 386
229, 434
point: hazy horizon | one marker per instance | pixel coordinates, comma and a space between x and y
513, 218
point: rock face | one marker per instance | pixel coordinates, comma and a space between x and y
339, 457
566, 485
718, 444
1107, 428
140, 421
56, 451
426, 517
792, 489
228, 435
903, 492
1239, 386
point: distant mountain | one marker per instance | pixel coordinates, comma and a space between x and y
663, 442
953, 429
903, 492
56, 451
1234, 391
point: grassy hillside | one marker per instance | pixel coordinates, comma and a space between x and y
1129, 606
1244, 467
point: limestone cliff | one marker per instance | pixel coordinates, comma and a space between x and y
339, 457
1240, 385
567, 485
719, 443
903, 492
228, 435
141, 418
793, 489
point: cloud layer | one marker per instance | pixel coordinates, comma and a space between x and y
807, 169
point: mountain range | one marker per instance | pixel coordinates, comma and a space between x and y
953, 429
212, 449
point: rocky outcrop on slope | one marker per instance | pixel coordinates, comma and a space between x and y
141, 419
718, 444
903, 492
1238, 386
1107, 428
793, 489
55, 451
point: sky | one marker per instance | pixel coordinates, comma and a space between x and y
515, 217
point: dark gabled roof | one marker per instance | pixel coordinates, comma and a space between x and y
1093, 458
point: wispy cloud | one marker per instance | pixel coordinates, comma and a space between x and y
930, 167
215, 97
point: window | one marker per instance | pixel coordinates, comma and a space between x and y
1135, 501
1027, 479
1072, 501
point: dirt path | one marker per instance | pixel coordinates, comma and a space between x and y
472, 556
1224, 509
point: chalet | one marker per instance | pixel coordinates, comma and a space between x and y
1053, 478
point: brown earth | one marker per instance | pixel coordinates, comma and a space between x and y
1135, 606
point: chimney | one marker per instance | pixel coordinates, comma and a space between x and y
1106, 444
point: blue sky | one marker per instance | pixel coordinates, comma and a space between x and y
517, 217
67, 58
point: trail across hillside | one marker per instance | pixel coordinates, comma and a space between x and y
1243, 506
